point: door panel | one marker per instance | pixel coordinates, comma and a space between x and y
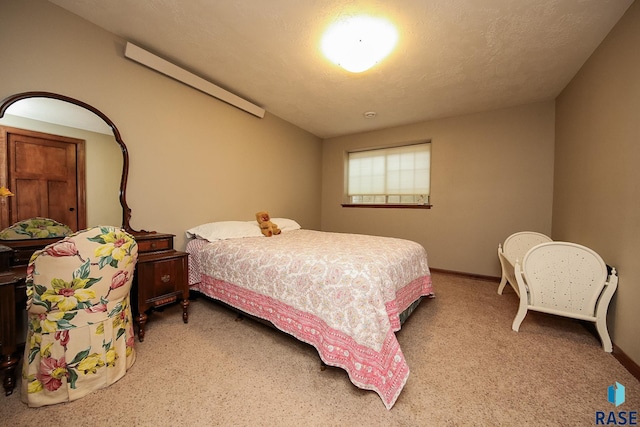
39, 158
60, 194
28, 207
47, 173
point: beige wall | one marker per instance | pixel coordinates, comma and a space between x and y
492, 175
194, 159
597, 184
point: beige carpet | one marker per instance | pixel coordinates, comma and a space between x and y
468, 368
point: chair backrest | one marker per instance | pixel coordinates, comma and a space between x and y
518, 244
565, 277
35, 228
86, 271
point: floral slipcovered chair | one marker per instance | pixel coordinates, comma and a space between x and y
80, 335
35, 228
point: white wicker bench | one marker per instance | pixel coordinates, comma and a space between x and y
513, 249
566, 279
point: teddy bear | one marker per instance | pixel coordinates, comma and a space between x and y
267, 227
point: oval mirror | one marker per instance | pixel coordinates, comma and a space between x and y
102, 163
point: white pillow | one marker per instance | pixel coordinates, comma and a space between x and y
286, 224
222, 230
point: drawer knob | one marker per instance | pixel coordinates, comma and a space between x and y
165, 278
153, 245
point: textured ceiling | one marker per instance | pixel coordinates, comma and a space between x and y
454, 56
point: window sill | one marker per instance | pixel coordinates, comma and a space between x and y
385, 205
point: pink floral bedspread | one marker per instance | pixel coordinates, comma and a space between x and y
341, 293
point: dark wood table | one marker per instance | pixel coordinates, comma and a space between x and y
14, 257
13, 319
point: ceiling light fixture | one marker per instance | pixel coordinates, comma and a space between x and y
370, 114
358, 43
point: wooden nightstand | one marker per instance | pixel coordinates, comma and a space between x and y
160, 277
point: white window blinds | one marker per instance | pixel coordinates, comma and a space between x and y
390, 175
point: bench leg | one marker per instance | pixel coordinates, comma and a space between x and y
601, 326
503, 283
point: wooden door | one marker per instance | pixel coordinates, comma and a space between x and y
46, 174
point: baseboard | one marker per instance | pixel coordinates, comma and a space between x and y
626, 361
469, 275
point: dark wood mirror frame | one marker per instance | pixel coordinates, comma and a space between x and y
126, 211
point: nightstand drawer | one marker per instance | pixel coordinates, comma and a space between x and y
161, 242
161, 278
22, 256
167, 278
24, 249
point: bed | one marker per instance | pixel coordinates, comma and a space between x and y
345, 294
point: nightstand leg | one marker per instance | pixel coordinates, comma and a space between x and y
142, 320
8, 365
185, 310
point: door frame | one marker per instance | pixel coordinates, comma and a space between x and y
81, 179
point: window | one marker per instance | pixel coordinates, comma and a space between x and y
389, 176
